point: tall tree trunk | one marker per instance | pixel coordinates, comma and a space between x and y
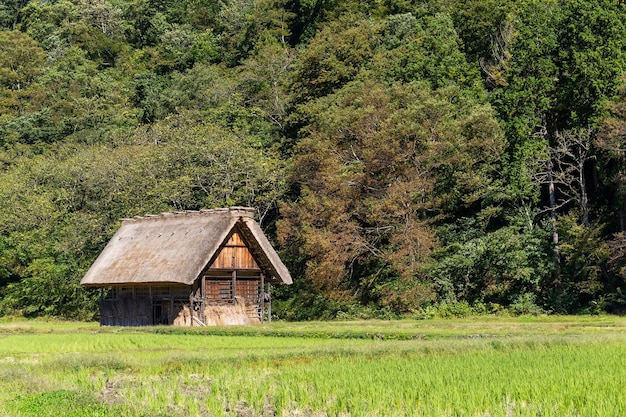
584, 200
583, 143
555, 232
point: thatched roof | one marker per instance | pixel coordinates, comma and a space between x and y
177, 247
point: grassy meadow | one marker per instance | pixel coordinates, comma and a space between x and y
485, 366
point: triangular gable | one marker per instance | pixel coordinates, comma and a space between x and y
235, 254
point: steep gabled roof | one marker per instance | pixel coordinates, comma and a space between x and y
177, 247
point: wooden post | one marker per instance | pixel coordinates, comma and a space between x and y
191, 307
269, 303
203, 297
234, 286
262, 296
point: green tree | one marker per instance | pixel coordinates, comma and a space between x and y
611, 140
333, 58
46, 291
47, 22
57, 210
180, 47
592, 40
21, 60
584, 255
10, 13
426, 49
265, 79
480, 24
244, 22
496, 266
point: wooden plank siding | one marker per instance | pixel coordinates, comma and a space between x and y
235, 255
220, 289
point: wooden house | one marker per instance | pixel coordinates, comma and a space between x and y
194, 268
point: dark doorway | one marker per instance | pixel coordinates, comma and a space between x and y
159, 313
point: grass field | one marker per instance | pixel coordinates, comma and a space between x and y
486, 366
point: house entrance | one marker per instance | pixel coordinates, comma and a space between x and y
160, 312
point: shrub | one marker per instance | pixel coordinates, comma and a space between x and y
525, 304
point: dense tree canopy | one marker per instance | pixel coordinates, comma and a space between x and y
400, 154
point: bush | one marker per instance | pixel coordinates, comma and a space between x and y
525, 304
455, 309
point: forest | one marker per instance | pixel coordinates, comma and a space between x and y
405, 157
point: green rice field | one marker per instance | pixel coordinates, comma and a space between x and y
485, 366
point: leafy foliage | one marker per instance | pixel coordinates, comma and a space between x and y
381, 162
495, 267
402, 155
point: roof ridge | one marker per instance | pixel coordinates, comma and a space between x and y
233, 210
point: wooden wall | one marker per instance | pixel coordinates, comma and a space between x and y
143, 305
219, 290
235, 255
126, 312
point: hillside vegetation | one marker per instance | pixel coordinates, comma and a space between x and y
404, 157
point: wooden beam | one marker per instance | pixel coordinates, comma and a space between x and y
191, 317
199, 321
262, 296
203, 298
269, 303
203, 289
